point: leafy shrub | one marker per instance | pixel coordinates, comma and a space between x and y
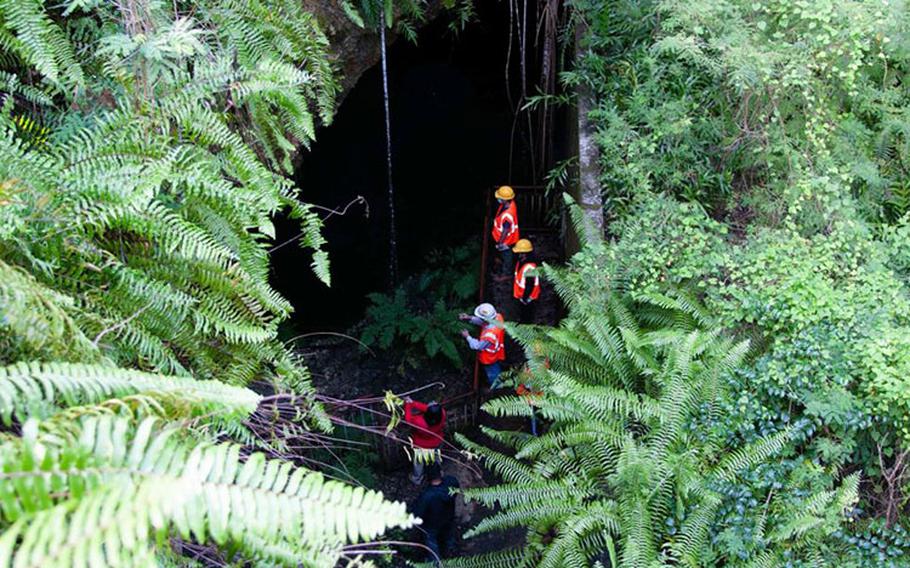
420, 319
821, 306
667, 242
831, 311
636, 465
874, 546
886, 361
394, 326
828, 316
716, 102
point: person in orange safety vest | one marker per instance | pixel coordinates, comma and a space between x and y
505, 228
526, 282
490, 346
531, 395
526, 390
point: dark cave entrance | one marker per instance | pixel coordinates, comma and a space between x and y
453, 132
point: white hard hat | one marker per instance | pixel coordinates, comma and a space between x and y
485, 311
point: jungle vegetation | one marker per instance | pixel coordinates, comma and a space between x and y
731, 386
145, 149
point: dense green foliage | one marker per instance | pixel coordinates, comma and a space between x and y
753, 165
753, 161
419, 320
111, 479
144, 147
731, 386
637, 463
137, 230
749, 104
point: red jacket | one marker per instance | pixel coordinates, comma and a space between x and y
423, 438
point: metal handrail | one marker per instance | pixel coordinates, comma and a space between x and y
482, 277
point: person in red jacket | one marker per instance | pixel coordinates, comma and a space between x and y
427, 423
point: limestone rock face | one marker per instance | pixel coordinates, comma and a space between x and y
354, 49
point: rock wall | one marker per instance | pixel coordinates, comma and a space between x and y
354, 49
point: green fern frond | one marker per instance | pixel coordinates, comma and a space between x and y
746, 458
567, 549
533, 515
212, 495
688, 546
36, 320
509, 468
37, 389
499, 559
40, 42
509, 495
603, 402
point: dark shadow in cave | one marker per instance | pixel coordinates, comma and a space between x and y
451, 128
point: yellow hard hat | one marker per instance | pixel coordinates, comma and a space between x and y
505, 192
524, 245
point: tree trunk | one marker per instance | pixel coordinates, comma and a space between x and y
587, 192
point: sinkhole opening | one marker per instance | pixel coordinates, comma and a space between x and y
454, 136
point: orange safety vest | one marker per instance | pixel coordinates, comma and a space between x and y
528, 392
518, 287
495, 335
507, 212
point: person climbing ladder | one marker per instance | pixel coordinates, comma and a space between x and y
526, 283
505, 229
490, 346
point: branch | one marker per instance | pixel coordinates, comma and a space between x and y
357, 200
334, 333
118, 325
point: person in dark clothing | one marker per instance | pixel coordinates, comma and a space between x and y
436, 507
